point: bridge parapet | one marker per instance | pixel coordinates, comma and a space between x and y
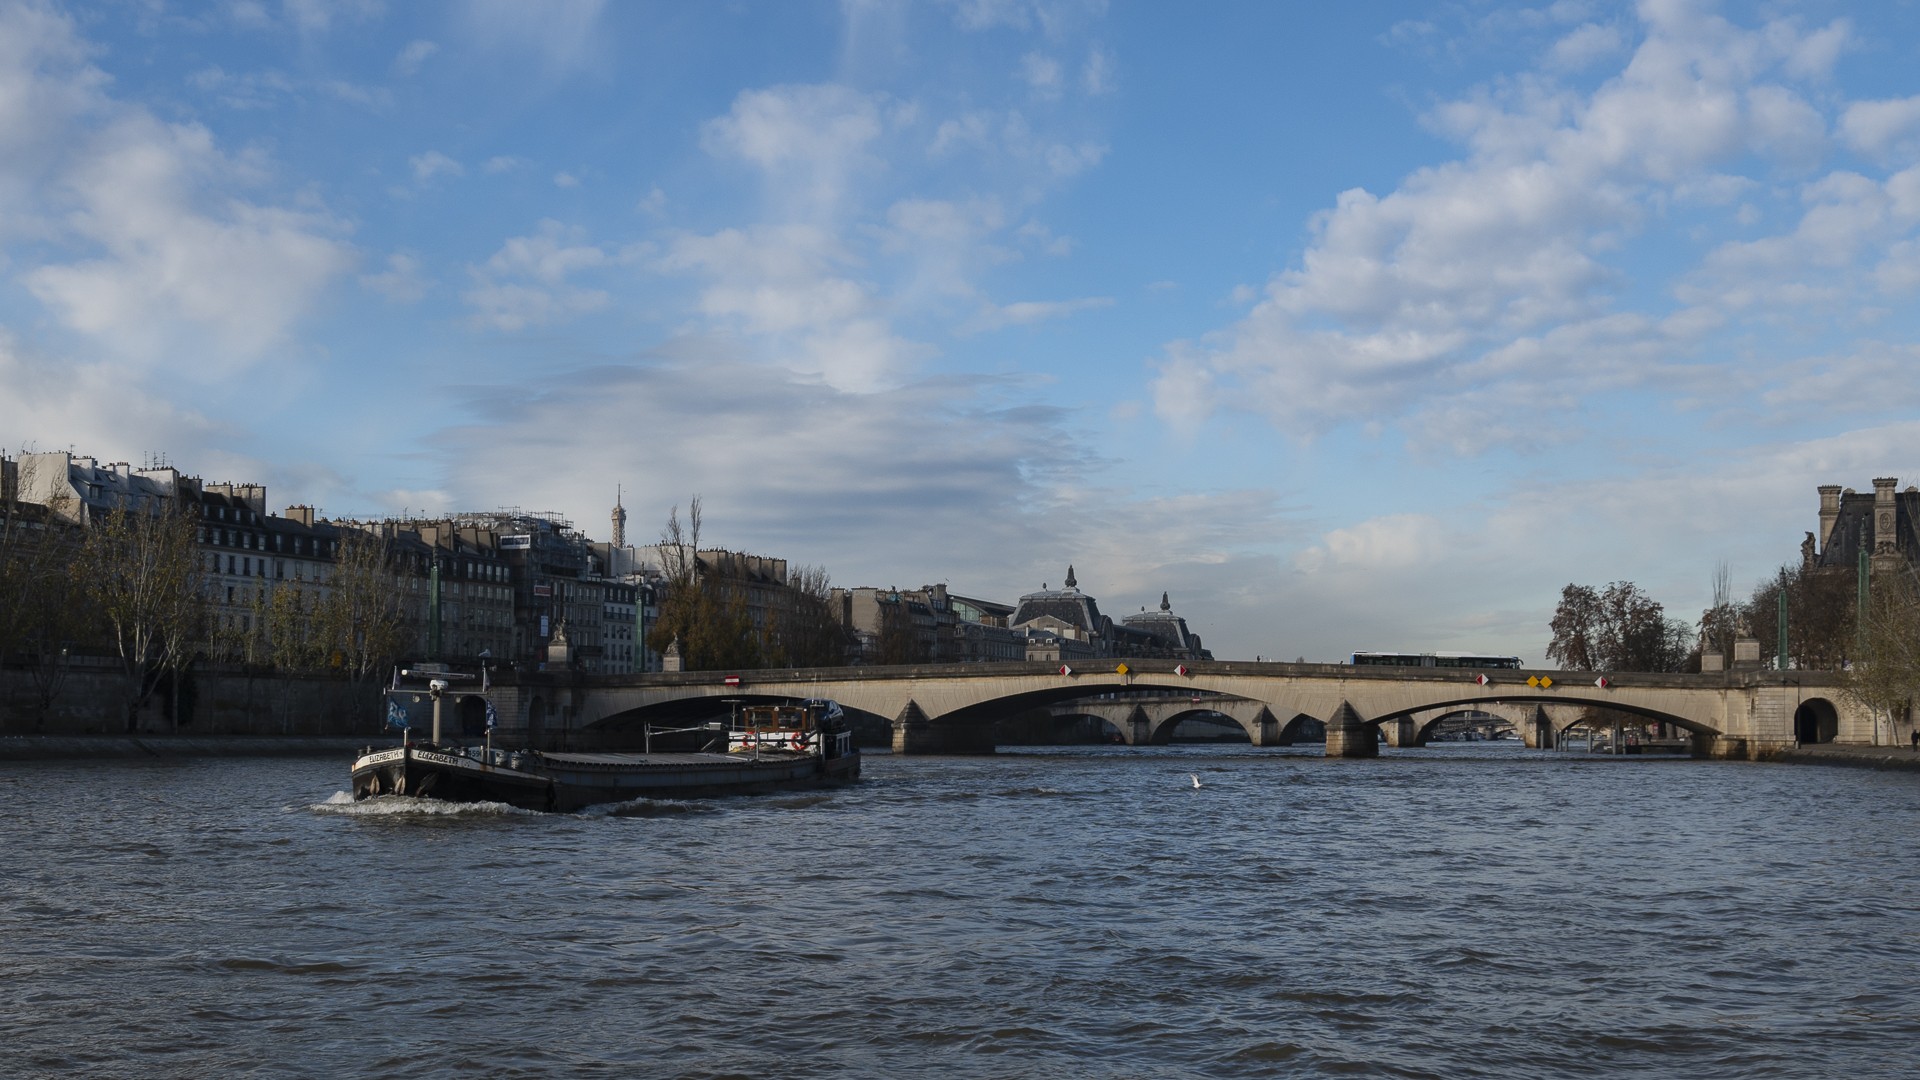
951, 707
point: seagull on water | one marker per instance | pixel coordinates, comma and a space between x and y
1196, 779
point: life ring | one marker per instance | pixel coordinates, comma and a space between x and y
800, 740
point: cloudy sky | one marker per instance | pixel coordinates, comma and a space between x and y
1348, 325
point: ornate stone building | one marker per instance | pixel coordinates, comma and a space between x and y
1885, 525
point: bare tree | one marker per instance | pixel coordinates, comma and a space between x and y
1885, 676
141, 568
807, 634
360, 621
1719, 624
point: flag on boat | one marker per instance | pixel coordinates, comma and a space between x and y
396, 716
492, 716
483, 683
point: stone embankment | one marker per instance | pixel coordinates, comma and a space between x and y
1858, 757
75, 747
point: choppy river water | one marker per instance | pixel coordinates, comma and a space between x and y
1463, 911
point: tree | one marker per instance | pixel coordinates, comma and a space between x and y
44, 609
1576, 629
361, 629
1885, 676
680, 602
1821, 612
807, 633
1620, 629
1720, 624
141, 567
293, 642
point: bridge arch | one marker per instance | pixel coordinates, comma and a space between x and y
951, 707
1816, 721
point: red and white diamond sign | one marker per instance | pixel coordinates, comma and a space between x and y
1180, 669
1603, 682
1065, 670
1482, 679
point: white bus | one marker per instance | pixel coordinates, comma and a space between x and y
1434, 659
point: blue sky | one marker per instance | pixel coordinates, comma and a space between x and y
1349, 326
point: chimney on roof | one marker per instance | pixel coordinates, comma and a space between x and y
1829, 512
1883, 515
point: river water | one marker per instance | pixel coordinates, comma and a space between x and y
1477, 910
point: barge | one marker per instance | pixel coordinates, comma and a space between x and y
779, 747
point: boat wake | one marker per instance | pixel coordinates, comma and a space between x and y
343, 803
646, 808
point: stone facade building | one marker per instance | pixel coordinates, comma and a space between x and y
1885, 525
1066, 624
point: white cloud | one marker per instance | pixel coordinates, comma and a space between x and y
527, 282
97, 407
1394, 542
1585, 46
565, 180
503, 163
415, 56
401, 281
1025, 312
810, 141
1883, 129
1473, 277
1097, 75
787, 287
1041, 73
434, 163
171, 253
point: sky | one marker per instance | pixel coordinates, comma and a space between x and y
1347, 326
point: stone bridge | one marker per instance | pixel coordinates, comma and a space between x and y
951, 708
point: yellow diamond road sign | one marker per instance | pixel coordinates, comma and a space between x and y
1546, 681
1121, 670
1539, 681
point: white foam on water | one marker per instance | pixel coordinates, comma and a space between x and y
343, 802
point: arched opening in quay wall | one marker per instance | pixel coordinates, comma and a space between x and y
1816, 721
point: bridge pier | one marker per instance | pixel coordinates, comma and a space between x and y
1348, 736
1265, 730
913, 733
1536, 729
1402, 732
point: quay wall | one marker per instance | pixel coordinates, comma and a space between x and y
213, 700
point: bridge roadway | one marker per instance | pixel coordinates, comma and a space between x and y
951, 708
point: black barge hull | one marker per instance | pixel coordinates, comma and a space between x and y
568, 782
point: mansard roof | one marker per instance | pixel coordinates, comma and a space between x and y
1852, 531
1069, 606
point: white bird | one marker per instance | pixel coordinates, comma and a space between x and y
1196, 779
